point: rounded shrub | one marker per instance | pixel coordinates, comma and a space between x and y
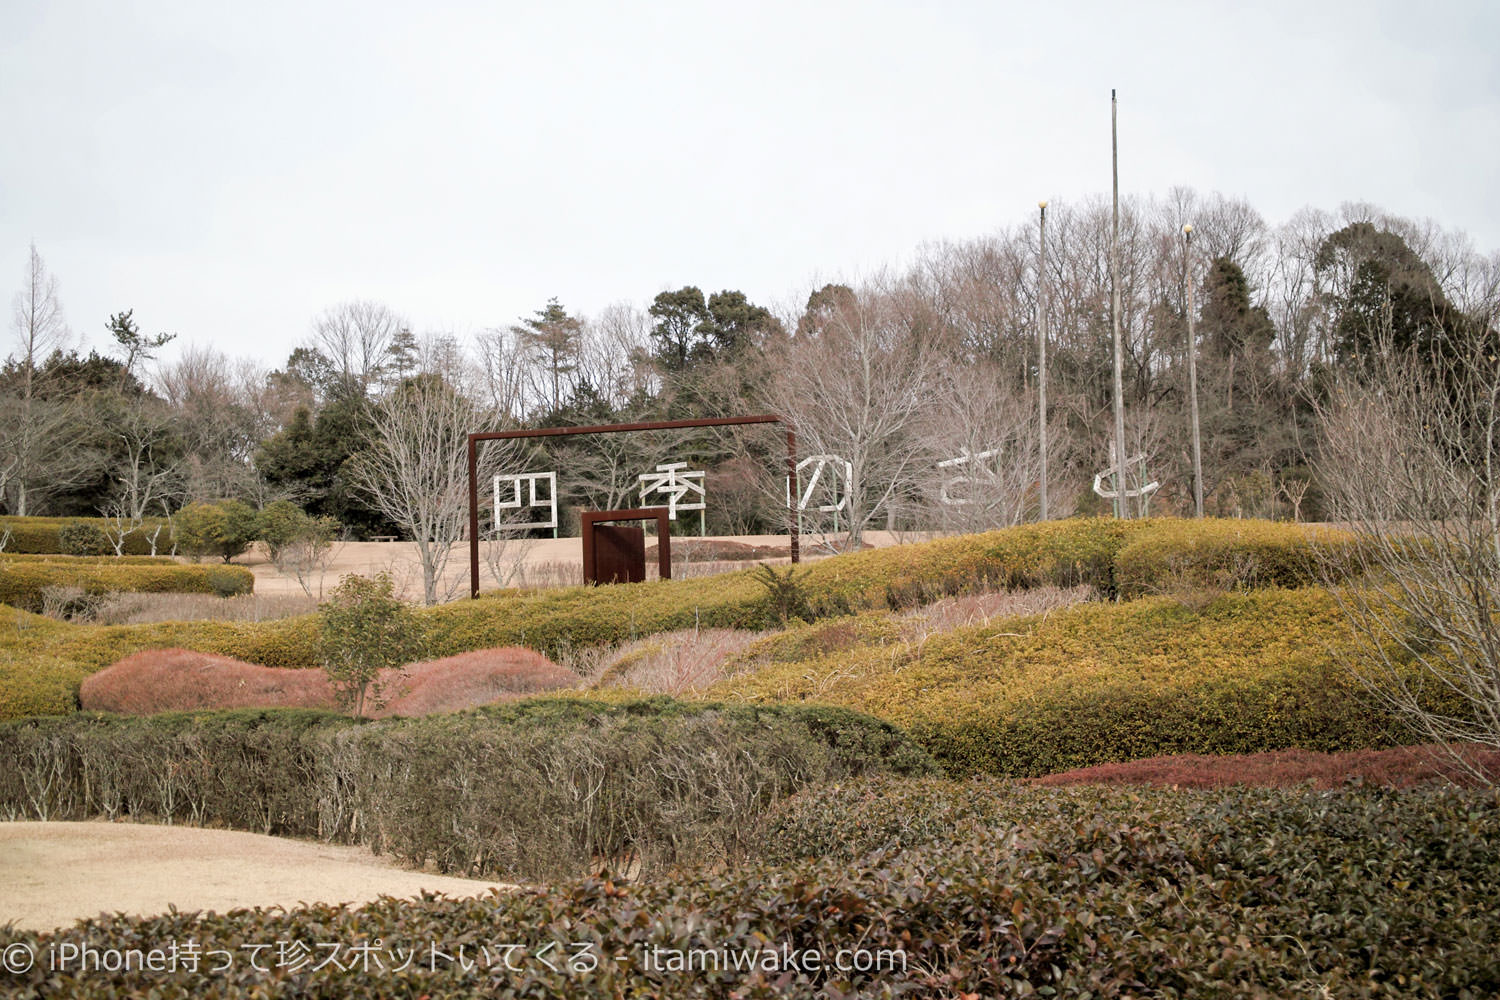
81, 538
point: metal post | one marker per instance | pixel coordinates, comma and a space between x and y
794, 516
1122, 508
474, 517
1041, 353
1192, 353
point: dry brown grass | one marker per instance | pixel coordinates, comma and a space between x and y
179, 680
482, 677
980, 609
144, 609
699, 550
174, 680
1400, 767
674, 662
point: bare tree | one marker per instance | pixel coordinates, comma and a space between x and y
982, 467
356, 338
855, 383
34, 452
613, 352
1411, 463
148, 476
415, 469
221, 417
504, 374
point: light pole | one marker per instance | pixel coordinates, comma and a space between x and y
1122, 509
1192, 358
1041, 351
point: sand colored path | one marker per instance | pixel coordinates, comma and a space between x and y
52, 874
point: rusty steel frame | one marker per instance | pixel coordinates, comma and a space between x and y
589, 518
655, 425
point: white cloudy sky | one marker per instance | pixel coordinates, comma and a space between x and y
228, 170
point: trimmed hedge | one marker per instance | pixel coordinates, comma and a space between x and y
1007, 892
19, 557
559, 621
41, 535
1100, 682
1170, 556
22, 583
528, 790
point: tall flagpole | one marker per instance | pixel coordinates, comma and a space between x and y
1122, 509
1192, 349
1041, 352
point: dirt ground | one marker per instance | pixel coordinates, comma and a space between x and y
543, 560
52, 874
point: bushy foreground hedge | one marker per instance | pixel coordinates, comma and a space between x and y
930, 889
43, 535
556, 622
1094, 683
22, 583
531, 790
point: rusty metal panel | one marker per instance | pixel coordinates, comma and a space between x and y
591, 520
619, 553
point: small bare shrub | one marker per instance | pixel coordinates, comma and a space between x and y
675, 662
980, 609
481, 677
143, 609
71, 604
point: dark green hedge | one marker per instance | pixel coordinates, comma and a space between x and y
530, 790
1003, 892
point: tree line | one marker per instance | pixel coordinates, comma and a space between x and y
923, 379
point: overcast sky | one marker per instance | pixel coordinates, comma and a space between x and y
229, 170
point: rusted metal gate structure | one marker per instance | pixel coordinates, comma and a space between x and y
658, 425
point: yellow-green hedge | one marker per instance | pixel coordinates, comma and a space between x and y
31, 557
1105, 682
1168, 556
39, 535
22, 583
558, 621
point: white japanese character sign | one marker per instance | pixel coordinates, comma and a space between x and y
509, 498
676, 485
833, 465
974, 471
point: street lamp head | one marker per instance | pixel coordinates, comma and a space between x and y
1041, 204
1188, 229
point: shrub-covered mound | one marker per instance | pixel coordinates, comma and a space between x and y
22, 583
528, 790
182, 680
556, 622
1398, 767
932, 889
1096, 683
